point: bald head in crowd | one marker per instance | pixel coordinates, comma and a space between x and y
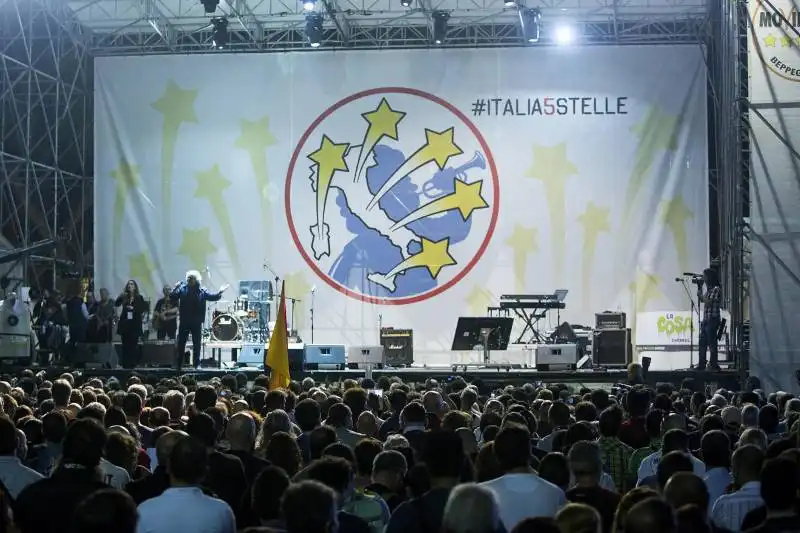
685, 488
650, 516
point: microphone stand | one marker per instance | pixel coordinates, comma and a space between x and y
312, 315
693, 310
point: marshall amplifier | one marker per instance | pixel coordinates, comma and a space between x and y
609, 320
612, 348
398, 347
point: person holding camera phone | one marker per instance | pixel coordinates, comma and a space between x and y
711, 300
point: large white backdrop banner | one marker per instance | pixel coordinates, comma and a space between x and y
407, 188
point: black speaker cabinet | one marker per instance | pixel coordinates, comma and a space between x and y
612, 348
398, 347
160, 354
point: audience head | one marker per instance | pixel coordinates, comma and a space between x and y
471, 508
105, 511
310, 507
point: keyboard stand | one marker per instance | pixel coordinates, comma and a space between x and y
531, 319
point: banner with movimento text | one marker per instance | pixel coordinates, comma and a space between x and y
407, 188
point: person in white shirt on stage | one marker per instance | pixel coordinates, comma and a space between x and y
521, 493
729, 510
183, 506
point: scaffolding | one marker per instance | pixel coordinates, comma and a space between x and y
45, 142
45, 96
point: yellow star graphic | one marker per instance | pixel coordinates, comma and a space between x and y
127, 179
197, 246
770, 40
440, 146
211, 185
255, 135
522, 241
479, 300
176, 105
645, 289
797, 41
594, 221
434, 256
329, 157
297, 287
786, 41
382, 121
141, 269
551, 166
674, 214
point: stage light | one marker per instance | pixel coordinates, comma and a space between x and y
210, 6
405, 3
440, 19
529, 23
309, 5
564, 34
510, 3
219, 36
314, 29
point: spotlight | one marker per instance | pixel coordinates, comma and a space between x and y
309, 5
219, 36
440, 19
405, 3
564, 34
314, 29
529, 22
210, 6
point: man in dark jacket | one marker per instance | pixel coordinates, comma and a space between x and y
192, 298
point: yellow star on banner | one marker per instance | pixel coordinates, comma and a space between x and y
797, 41
645, 289
197, 246
382, 123
176, 105
127, 179
522, 241
594, 221
657, 132
211, 185
297, 287
479, 300
770, 40
674, 214
141, 268
329, 159
551, 166
786, 41
255, 138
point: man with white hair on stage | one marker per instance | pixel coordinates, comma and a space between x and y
192, 298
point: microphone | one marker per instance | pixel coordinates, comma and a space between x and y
678, 279
691, 274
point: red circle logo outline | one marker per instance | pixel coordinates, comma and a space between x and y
492, 222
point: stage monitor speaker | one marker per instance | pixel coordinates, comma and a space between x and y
325, 356
360, 356
612, 348
158, 354
252, 356
398, 347
94, 355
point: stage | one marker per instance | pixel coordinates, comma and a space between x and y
491, 377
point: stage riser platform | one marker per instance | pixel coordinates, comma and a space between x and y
491, 377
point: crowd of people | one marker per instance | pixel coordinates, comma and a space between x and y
88, 455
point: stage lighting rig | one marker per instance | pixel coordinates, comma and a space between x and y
440, 19
529, 20
314, 29
219, 35
210, 6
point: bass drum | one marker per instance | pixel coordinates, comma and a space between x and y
226, 328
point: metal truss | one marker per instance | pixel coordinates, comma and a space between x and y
729, 163
46, 140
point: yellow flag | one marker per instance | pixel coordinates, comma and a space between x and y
278, 354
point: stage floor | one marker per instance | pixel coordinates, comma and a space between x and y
493, 377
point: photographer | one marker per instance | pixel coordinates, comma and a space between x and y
711, 318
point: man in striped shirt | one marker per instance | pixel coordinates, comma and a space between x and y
711, 318
729, 510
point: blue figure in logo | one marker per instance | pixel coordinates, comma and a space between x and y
370, 252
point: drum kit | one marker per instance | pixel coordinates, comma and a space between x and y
245, 319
